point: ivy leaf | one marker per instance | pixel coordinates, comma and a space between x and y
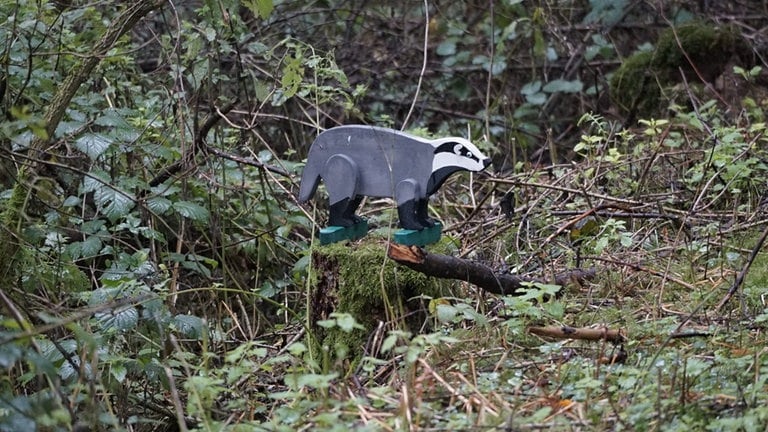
191, 210
93, 144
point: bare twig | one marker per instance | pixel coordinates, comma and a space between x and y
743, 273
423, 65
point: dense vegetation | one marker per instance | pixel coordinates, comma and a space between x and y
157, 273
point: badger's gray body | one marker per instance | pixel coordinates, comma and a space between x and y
357, 161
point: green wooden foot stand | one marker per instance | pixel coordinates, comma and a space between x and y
333, 234
419, 238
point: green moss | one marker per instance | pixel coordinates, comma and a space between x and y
360, 280
634, 87
708, 47
699, 50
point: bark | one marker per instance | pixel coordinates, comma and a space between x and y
448, 267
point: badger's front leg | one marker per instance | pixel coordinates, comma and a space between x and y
406, 193
422, 213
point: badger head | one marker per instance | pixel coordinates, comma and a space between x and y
458, 153
451, 155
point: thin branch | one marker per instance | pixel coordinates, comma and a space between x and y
743, 273
423, 66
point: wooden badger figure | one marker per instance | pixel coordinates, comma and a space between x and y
356, 161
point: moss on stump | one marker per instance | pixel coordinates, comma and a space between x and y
359, 279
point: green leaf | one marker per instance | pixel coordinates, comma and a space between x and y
93, 144
447, 48
260, 8
388, 343
564, 86
159, 205
119, 372
446, 313
189, 325
346, 322
293, 72
120, 319
531, 88
191, 210
113, 203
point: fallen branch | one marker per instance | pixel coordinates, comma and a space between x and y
590, 334
449, 267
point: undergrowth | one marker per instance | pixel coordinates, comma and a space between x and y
162, 271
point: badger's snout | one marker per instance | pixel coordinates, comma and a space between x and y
486, 162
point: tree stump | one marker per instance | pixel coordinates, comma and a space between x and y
359, 279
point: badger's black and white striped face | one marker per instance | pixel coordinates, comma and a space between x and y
458, 153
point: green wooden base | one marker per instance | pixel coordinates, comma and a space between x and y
420, 237
333, 234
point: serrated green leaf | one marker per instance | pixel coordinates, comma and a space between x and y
71, 201
260, 8
93, 144
113, 203
536, 98
120, 319
189, 325
191, 210
91, 246
346, 322
389, 342
110, 117
159, 205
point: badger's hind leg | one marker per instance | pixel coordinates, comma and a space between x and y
340, 176
422, 213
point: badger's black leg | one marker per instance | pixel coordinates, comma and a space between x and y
406, 193
337, 216
406, 212
340, 175
349, 213
422, 213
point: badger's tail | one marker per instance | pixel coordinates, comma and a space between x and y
310, 179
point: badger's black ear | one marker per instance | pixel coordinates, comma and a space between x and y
446, 147
456, 148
